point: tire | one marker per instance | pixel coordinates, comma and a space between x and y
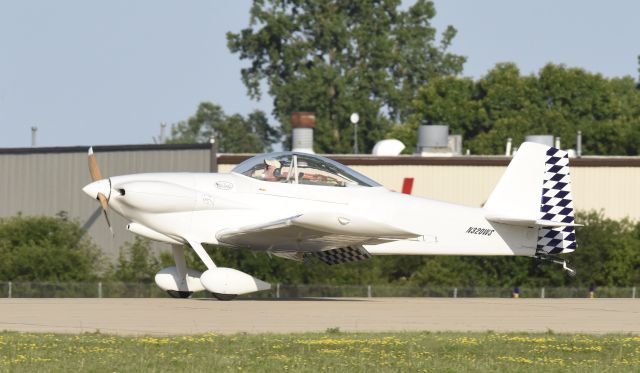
224, 297
179, 294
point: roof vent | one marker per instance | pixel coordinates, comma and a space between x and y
540, 139
389, 147
434, 140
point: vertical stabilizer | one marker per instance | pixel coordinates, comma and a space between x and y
535, 190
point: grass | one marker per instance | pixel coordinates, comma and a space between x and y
333, 351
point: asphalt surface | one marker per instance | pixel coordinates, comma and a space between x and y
193, 316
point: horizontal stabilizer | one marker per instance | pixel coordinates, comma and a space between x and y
529, 222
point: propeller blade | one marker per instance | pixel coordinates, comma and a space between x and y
103, 201
105, 208
96, 175
94, 170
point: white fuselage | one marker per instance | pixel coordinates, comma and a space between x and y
199, 205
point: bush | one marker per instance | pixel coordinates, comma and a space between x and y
41, 248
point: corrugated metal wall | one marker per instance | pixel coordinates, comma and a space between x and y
44, 182
48, 182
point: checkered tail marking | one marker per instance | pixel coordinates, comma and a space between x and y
556, 205
343, 255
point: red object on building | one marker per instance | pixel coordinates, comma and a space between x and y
407, 185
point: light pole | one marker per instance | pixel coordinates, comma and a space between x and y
354, 119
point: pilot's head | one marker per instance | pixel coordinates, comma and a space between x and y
270, 166
273, 163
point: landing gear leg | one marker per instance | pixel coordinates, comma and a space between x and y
181, 269
556, 259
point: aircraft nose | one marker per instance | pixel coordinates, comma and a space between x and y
101, 186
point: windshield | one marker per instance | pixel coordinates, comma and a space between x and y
299, 168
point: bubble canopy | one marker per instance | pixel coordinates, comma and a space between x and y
302, 168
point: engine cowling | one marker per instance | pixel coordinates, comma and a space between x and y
231, 281
168, 279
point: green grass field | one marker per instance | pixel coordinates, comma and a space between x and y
330, 351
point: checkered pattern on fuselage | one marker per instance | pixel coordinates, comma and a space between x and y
556, 204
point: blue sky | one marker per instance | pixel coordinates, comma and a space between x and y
110, 72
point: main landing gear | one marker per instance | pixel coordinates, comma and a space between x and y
550, 258
219, 296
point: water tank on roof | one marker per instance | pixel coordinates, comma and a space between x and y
433, 136
302, 124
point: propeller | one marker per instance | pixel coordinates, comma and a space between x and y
96, 177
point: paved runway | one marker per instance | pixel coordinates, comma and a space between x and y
191, 316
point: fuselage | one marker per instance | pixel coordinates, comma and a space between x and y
199, 205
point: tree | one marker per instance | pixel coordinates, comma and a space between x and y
135, 263
42, 248
235, 133
558, 101
338, 57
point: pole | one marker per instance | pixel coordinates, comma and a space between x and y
368, 291
579, 144
213, 155
278, 290
163, 126
10, 289
354, 118
633, 293
355, 138
455, 292
34, 131
542, 293
100, 289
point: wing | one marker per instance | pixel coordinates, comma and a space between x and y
312, 232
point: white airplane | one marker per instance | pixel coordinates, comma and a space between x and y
297, 205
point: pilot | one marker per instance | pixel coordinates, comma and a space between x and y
271, 169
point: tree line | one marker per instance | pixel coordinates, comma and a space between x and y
57, 249
395, 69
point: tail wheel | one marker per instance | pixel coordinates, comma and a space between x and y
219, 296
179, 294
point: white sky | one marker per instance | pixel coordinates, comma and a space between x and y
110, 72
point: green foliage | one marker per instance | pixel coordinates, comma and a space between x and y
40, 248
234, 133
136, 263
339, 57
609, 251
558, 100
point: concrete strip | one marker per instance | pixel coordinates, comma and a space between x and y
192, 316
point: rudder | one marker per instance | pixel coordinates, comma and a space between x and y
557, 205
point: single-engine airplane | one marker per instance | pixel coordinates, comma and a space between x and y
297, 205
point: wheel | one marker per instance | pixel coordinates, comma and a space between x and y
224, 296
179, 294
